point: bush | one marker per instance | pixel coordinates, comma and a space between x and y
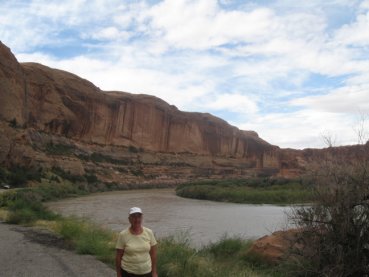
91, 178
176, 258
59, 149
22, 216
88, 238
67, 175
227, 247
133, 149
19, 175
336, 227
13, 123
268, 191
25, 209
3, 175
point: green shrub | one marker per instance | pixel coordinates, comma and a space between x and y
3, 175
87, 238
179, 259
22, 216
71, 228
25, 209
269, 191
13, 123
67, 175
227, 247
91, 178
19, 175
137, 171
59, 149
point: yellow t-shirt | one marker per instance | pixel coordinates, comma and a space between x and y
136, 258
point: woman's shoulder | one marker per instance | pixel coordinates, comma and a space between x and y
124, 232
148, 230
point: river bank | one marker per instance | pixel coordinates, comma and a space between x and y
250, 191
176, 256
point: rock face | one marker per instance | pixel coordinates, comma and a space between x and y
279, 246
50, 117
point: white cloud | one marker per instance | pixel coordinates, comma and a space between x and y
236, 103
356, 33
251, 61
350, 99
201, 24
304, 128
110, 33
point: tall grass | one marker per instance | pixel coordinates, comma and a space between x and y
226, 257
87, 238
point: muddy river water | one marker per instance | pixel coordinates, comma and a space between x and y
168, 214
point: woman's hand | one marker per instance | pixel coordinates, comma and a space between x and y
153, 261
118, 259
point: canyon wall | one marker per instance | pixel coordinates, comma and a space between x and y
135, 136
61, 103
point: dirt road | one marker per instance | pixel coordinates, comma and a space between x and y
28, 252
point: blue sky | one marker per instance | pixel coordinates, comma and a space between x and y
292, 71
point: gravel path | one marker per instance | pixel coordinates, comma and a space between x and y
30, 252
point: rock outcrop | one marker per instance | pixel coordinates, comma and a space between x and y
279, 246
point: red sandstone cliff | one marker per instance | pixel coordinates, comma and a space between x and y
61, 103
54, 106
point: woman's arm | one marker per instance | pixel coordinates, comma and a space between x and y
153, 261
118, 261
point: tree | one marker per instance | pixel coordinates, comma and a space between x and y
336, 226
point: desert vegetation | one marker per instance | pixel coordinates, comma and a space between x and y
18, 176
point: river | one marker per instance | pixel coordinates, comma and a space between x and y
168, 214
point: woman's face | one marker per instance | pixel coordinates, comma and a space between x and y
135, 219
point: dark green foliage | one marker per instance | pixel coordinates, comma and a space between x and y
91, 178
3, 175
67, 175
133, 149
101, 158
19, 175
137, 171
87, 238
227, 247
13, 123
253, 191
25, 207
59, 149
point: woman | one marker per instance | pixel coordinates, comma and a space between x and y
136, 249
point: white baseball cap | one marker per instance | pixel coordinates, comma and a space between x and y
135, 210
